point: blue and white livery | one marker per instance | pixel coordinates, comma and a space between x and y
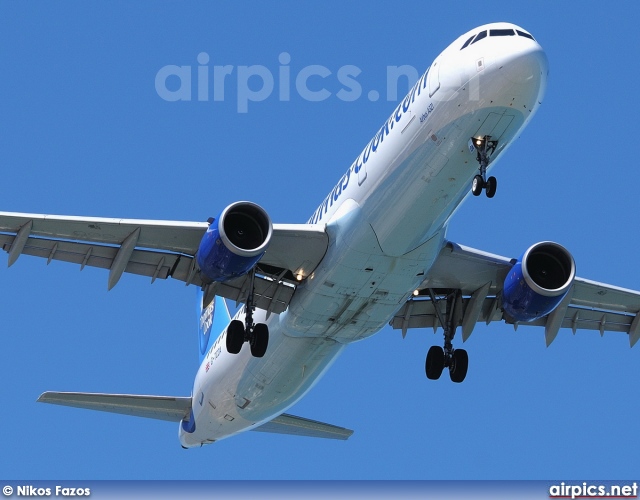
374, 252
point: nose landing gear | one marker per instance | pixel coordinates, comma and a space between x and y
484, 148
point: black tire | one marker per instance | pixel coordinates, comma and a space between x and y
260, 340
235, 336
435, 362
476, 185
459, 365
492, 186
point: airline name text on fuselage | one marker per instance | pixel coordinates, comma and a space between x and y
373, 146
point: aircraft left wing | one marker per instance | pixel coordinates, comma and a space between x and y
475, 279
161, 250
176, 408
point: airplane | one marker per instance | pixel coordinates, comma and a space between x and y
374, 252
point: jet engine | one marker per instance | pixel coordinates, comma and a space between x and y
538, 282
234, 242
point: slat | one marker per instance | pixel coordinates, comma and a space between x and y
177, 236
596, 295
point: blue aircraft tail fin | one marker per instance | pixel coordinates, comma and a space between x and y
212, 319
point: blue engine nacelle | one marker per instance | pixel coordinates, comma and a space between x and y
234, 242
538, 282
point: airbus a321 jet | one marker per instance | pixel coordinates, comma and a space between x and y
359, 263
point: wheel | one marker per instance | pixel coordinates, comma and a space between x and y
235, 336
477, 185
260, 340
492, 185
459, 365
435, 362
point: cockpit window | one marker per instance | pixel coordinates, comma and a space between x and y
525, 34
502, 32
495, 32
467, 42
479, 36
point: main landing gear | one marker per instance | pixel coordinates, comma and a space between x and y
256, 334
438, 358
484, 147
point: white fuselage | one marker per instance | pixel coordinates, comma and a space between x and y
386, 220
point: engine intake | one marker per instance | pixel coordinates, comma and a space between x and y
538, 282
234, 242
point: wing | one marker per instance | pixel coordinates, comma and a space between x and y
161, 250
176, 408
475, 278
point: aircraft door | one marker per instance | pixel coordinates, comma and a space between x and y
434, 77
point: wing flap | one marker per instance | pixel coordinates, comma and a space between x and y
420, 313
271, 293
143, 262
298, 426
158, 407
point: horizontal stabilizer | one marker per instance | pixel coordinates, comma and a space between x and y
298, 426
159, 407
176, 408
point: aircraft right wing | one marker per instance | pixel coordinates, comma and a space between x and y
477, 277
161, 250
176, 408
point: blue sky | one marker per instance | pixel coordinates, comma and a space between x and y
84, 132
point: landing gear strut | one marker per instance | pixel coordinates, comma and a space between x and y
438, 358
256, 334
484, 147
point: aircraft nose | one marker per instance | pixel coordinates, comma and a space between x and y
525, 65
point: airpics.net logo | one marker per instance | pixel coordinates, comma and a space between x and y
590, 490
256, 83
